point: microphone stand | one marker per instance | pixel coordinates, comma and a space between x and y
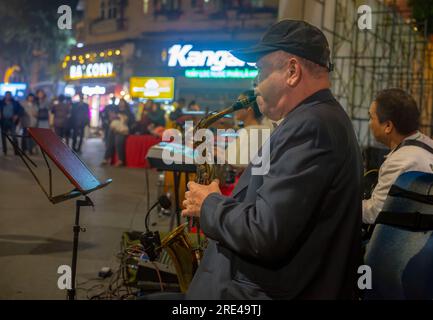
150, 240
146, 219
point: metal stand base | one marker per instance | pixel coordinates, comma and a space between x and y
87, 202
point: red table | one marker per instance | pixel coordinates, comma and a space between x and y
136, 148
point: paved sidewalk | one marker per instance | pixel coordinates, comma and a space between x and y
36, 236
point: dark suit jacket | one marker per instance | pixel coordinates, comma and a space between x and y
293, 233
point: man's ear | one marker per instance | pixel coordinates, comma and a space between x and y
294, 73
389, 127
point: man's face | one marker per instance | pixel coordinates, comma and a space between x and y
379, 130
270, 87
8, 96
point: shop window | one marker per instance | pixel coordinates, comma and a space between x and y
252, 4
257, 3
102, 10
170, 8
220, 8
197, 4
109, 9
112, 9
223, 5
256, 6
169, 5
146, 6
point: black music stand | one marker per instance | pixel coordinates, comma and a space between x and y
74, 170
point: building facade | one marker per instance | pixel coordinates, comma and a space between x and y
186, 40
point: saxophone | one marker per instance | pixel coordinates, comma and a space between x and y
185, 257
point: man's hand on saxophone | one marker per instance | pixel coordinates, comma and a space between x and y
195, 197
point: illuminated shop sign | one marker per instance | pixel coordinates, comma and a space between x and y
69, 91
158, 88
90, 91
224, 74
17, 89
91, 71
209, 63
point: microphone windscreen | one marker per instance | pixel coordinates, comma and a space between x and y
164, 201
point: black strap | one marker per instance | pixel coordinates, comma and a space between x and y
396, 191
415, 143
413, 220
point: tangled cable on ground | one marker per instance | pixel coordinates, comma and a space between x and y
118, 288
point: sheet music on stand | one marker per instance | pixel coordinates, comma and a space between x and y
75, 170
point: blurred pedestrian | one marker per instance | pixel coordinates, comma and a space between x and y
177, 117
43, 109
61, 114
143, 123
79, 120
119, 129
10, 113
156, 115
107, 115
194, 106
29, 120
68, 125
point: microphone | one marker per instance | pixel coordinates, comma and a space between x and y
244, 103
164, 202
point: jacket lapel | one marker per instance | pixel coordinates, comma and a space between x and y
242, 182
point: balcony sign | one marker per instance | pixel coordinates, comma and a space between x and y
91, 71
156, 88
209, 63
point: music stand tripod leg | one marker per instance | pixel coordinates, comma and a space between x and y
87, 202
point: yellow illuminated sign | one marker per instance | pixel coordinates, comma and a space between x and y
159, 88
9, 72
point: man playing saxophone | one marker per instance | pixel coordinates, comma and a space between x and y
294, 231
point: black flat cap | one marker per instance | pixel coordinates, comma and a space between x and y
296, 37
